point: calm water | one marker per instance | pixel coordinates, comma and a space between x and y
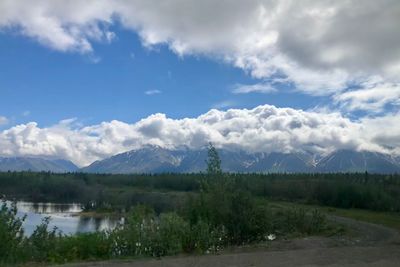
63, 216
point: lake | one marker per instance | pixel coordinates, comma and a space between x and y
63, 216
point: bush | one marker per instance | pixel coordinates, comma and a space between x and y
146, 234
173, 231
223, 204
299, 221
42, 243
83, 246
11, 234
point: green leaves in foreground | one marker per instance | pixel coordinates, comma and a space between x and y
11, 233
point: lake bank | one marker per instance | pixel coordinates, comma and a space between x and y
67, 218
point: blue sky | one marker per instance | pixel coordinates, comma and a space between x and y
47, 86
84, 80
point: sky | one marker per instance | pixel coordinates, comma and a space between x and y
84, 80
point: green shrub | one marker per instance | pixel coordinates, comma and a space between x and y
146, 234
208, 239
173, 230
11, 234
222, 203
138, 233
317, 222
84, 246
299, 221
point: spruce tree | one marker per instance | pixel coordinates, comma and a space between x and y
213, 161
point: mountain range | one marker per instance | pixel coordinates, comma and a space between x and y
155, 159
36, 164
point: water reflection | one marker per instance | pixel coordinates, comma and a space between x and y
90, 224
49, 208
65, 217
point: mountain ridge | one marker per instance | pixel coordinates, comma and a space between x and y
36, 164
155, 159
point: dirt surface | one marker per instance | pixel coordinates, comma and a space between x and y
368, 245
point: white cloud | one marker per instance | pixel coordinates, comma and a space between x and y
253, 88
3, 120
152, 92
61, 25
320, 46
264, 128
373, 96
384, 131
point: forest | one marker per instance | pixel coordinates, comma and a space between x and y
164, 191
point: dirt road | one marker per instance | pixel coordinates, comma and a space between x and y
371, 245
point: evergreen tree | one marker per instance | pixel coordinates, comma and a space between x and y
213, 161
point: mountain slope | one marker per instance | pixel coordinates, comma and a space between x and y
36, 164
148, 159
353, 161
154, 159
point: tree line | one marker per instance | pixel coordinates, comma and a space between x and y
343, 190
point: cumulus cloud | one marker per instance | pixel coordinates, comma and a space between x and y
373, 96
384, 131
61, 25
265, 128
319, 46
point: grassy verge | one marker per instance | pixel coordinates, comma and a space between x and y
389, 219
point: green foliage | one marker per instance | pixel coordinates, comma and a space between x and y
42, 242
117, 192
11, 234
138, 235
146, 234
173, 229
203, 238
84, 246
226, 206
300, 221
213, 161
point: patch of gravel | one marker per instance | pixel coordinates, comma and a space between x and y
367, 234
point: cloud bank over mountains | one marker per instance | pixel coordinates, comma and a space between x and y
265, 128
331, 48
